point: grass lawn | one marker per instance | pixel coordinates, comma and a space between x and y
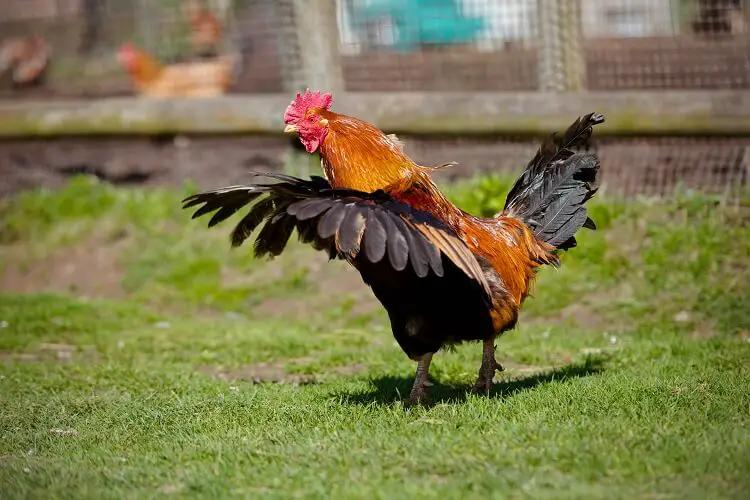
141, 357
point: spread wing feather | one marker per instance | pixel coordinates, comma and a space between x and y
346, 224
375, 238
398, 247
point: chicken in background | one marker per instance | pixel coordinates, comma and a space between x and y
26, 58
738, 22
444, 276
206, 29
720, 17
151, 78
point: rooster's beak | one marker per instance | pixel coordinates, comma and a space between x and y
290, 129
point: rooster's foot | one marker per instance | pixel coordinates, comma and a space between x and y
488, 368
418, 395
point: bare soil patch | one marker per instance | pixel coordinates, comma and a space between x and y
335, 282
88, 269
53, 353
276, 372
513, 368
583, 312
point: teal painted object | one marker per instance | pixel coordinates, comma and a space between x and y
420, 22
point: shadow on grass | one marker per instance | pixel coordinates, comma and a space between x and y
390, 389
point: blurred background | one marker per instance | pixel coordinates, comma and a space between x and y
390, 45
536, 64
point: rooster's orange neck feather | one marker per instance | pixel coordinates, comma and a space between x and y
356, 155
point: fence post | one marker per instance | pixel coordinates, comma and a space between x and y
571, 32
562, 66
309, 45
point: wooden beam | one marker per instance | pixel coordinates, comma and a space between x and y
668, 113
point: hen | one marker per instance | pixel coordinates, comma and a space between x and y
444, 276
27, 58
205, 78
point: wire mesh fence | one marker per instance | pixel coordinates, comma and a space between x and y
382, 45
630, 167
634, 166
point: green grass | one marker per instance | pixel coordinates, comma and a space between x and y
204, 372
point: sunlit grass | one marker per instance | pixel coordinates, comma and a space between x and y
627, 376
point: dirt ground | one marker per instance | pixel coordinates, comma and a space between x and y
88, 269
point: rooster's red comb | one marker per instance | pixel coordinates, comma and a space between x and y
296, 110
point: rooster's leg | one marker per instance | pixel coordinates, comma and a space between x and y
488, 368
419, 389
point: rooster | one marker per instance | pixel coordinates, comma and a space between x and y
444, 276
206, 78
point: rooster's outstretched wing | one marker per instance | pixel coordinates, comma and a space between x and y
347, 224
